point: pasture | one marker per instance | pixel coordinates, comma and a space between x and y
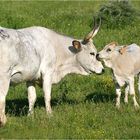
83, 106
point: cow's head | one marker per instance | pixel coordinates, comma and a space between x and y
87, 52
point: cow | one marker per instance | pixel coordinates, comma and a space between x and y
41, 55
125, 64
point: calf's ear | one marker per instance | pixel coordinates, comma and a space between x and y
113, 44
76, 44
122, 50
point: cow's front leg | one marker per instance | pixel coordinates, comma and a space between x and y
118, 94
132, 92
47, 84
31, 97
4, 86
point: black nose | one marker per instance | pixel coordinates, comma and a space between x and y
97, 57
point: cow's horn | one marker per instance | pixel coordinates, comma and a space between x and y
94, 31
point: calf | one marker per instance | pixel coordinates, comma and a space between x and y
125, 63
38, 54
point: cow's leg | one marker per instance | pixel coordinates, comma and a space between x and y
139, 83
47, 84
118, 94
126, 93
4, 86
132, 92
31, 97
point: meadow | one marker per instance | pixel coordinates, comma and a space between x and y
83, 106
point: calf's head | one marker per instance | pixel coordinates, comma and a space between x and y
110, 52
87, 52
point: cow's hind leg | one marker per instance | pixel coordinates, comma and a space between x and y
47, 84
4, 86
31, 97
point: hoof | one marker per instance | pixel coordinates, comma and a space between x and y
125, 101
118, 107
137, 107
30, 113
49, 113
3, 120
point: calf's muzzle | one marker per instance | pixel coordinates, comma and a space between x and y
97, 57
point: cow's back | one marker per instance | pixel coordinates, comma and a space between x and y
23, 51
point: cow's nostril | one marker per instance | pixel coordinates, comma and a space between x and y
97, 57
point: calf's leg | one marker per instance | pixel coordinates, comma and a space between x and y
126, 93
132, 92
118, 93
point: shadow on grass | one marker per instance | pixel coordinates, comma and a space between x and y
97, 97
19, 107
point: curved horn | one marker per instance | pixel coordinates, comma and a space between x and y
94, 31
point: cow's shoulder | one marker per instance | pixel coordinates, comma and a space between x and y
8, 35
4, 34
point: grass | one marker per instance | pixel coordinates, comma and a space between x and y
87, 110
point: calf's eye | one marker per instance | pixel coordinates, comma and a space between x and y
92, 53
108, 50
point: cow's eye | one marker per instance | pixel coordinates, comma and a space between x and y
108, 50
92, 53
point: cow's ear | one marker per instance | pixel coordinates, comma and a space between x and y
76, 44
122, 50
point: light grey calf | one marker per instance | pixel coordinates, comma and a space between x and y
125, 63
40, 54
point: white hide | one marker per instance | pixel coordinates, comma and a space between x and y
40, 55
125, 66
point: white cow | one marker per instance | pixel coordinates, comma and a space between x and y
38, 54
125, 63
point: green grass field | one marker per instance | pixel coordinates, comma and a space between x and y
83, 106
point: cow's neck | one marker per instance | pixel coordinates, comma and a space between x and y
69, 66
